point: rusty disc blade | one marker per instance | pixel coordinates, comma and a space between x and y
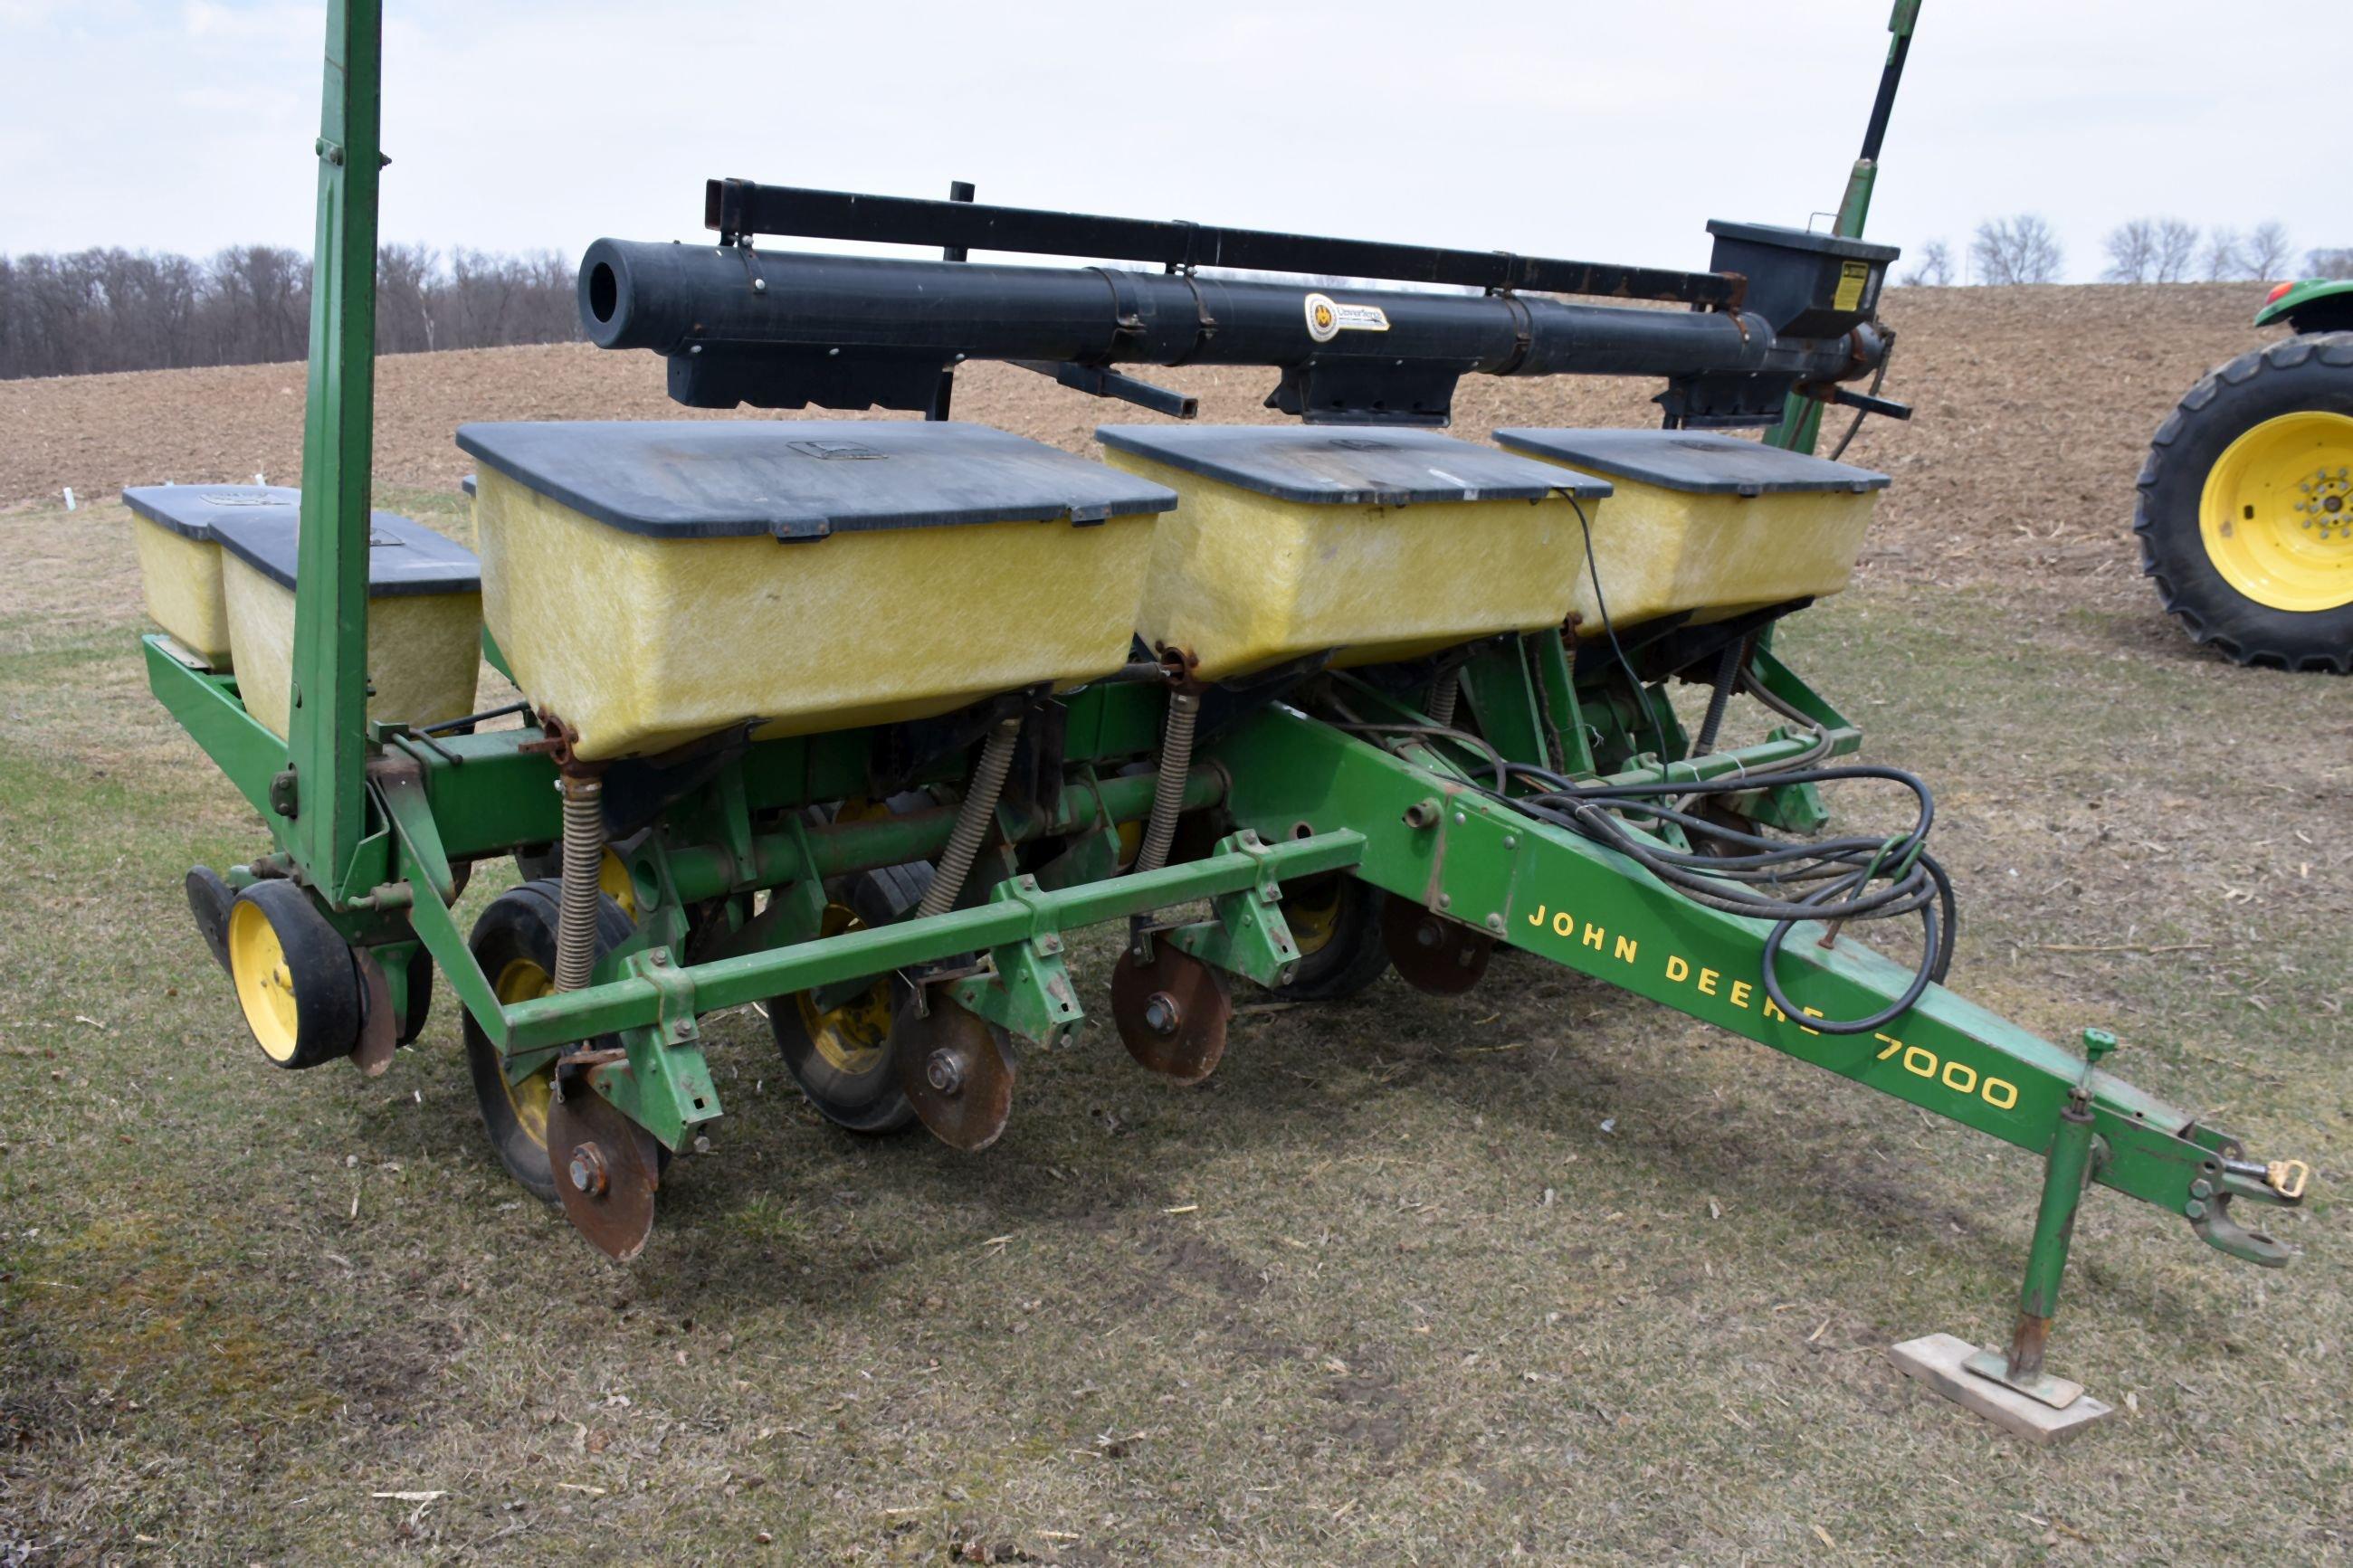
607, 1168
955, 1069
1430, 952
1172, 1012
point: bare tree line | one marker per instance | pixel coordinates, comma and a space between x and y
2023, 248
115, 309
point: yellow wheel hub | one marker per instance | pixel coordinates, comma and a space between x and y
2277, 512
1313, 916
265, 984
528, 1098
614, 880
850, 1038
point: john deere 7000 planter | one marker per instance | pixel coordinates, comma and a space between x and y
1373, 696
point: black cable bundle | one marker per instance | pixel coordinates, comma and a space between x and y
1855, 877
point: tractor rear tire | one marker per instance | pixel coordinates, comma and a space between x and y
2245, 512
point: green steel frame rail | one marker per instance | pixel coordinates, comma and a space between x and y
1802, 418
321, 790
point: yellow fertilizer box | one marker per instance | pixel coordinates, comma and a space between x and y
425, 617
1709, 525
1373, 543
180, 560
653, 582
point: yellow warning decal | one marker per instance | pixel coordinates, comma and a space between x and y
1852, 276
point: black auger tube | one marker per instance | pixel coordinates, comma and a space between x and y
786, 307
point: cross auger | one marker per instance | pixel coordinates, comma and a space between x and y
1381, 697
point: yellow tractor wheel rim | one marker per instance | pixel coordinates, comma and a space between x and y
529, 1098
849, 1038
614, 880
2277, 512
265, 984
1313, 916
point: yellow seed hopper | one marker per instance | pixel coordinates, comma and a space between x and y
1380, 543
654, 582
1709, 525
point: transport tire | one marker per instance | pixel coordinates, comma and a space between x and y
515, 942
2245, 509
840, 1056
1336, 921
297, 982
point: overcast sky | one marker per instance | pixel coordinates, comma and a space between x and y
1599, 130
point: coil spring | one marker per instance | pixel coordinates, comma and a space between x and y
1442, 693
973, 819
1169, 789
584, 866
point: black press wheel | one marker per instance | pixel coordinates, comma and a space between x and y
297, 980
2245, 514
1336, 921
837, 1047
515, 942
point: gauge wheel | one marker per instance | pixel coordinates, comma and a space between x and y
837, 1047
297, 982
1336, 921
2246, 513
514, 942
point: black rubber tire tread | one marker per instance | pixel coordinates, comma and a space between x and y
329, 999
1353, 959
208, 900
420, 995
521, 923
2285, 377
872, 1104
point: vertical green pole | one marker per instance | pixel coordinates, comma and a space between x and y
2065, 1170
1801, 418
326, 745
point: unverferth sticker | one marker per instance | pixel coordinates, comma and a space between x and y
1327, 318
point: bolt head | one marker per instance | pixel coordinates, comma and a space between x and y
586, 1170
943, 1071
1162, 1015
1426, 935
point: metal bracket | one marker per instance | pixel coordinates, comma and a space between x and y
1248, 935
1030, 992
665, 1086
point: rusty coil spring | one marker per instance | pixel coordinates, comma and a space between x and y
583, 864
1442, 693
973, 819
1169, 789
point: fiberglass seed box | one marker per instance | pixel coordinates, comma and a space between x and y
180, 559
651, 582
1710, 525
1379, 543
425, 617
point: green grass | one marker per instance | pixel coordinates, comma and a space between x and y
1383, 1291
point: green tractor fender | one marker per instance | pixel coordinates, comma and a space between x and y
2314, 305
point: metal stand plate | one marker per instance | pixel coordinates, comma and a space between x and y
1942, 1362
2058, 1392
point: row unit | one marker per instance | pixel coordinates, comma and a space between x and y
655, 582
